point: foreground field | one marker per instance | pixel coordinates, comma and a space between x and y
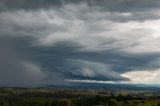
77, 97
151, 102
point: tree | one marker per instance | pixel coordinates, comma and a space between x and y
47, 103
65, 102
112, 102
125, 103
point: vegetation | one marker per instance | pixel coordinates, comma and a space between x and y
76, 97
112, 102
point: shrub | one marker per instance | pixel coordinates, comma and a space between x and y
112, 102
65, 102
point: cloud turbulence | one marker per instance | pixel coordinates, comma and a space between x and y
56, 41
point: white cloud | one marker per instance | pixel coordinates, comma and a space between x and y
144, 77
90, 81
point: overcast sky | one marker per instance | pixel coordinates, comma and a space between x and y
60, 41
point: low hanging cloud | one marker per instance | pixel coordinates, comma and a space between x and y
77, 40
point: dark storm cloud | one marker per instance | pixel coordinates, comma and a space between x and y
110, 5
49, 41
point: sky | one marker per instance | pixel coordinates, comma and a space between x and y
55, 42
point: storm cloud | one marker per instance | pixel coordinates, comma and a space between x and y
49, 42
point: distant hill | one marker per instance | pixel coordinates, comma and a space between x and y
107, 86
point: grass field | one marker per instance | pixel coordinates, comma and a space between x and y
151, 102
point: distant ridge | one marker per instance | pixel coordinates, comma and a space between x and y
107, 86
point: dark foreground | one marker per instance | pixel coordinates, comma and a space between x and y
77, 97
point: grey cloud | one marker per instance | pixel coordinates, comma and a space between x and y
64, 61
67, 60
46, 42
15, 72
